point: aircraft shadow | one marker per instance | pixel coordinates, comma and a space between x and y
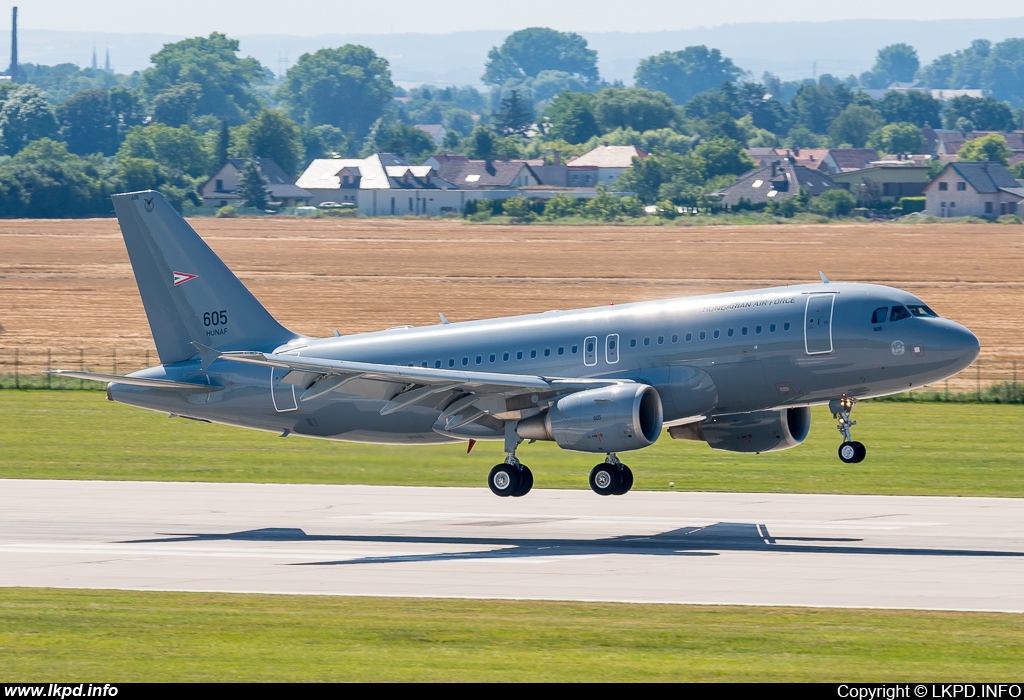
687, 541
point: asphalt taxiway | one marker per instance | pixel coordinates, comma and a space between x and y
718, 548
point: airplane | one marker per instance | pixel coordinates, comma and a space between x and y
738, 370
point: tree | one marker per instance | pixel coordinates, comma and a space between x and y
515, 116
323, 141
913, 106
633, 107
724, 157
45, 180
480, 144
226, 81
176, 105
88, 123
392, 136
854, 125
897, 138
220, 155
816, 106
459, 120
679, 178
834, 203
272, 135
981, 113
126, 107
24, 117
347, 87
570, 117
683, 74
253, 186
895, 63
999, 68
720, 125
178, 150
991, 147
527, 52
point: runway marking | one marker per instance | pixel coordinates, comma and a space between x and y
669, 521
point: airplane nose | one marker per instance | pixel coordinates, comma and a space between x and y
961, 344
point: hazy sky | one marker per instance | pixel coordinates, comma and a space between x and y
306, 17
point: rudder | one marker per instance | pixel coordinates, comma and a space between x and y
189, 294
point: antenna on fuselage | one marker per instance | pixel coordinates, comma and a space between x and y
824, 279
444, 321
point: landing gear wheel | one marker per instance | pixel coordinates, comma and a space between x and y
625, 479
605, 479
504, 480
525, 482
852, 452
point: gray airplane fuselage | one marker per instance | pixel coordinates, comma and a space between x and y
708, 355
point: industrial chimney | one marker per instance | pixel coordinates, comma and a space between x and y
14, 71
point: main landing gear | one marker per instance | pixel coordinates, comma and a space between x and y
612, 478
511, 478
850, 452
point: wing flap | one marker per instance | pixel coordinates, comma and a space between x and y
187, 387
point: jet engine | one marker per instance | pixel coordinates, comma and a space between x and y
610, 419
761, 431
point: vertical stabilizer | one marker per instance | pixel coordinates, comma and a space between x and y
189, 293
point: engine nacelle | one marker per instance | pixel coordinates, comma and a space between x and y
761, 431
615, 418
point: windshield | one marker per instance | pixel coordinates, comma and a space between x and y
922, 311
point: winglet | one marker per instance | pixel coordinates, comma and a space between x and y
824, 279
444, 321
207, 354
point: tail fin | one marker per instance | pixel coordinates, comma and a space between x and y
189, 294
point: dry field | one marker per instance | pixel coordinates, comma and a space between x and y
69, 284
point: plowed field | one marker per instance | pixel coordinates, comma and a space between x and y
69, 284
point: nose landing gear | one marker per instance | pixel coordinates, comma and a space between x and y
612, 478
850, 452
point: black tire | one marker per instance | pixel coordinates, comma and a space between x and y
503, 480
626, 481
852, 452
605, 479
525, 482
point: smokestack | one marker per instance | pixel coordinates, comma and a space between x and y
13, 70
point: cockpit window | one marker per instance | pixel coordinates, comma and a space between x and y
880, 314
899, 313
922, 311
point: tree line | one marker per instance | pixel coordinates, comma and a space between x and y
71, 137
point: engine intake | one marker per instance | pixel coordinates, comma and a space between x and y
761, 431
615, 418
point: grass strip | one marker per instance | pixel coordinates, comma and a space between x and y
117, 636
913, 449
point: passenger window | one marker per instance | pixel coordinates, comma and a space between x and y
785, 326
479, 359
451, 362
899, 313
504, 357
675, 338
575, 349
437, 364
689, 337
661, 340
590, 351
465, 361
647, 341
771, 328
717, 333
547, 352
879, 315
730, 332
533, 354
757, 329
519, 355
493, 357
561, 350
632, 342
703, 335
743, 331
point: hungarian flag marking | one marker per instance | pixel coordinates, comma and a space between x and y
182, 278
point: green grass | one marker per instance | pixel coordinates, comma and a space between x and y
115, 636
913, 448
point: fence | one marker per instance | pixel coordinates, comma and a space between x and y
26, 368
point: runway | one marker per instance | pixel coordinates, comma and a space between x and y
712, 548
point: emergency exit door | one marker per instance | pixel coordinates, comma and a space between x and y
818, 324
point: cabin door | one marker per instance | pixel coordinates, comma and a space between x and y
818, 324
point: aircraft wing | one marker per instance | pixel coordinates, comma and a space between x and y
488, 382
187, 387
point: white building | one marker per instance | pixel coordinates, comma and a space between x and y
985, 190
602, 166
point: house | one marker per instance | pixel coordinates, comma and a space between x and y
885, 181
602, 166
985, 190
774, 182
437, 161
843, 160
221, 189
489, 174
435, 131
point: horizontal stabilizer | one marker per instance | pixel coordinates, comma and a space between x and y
186, 387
